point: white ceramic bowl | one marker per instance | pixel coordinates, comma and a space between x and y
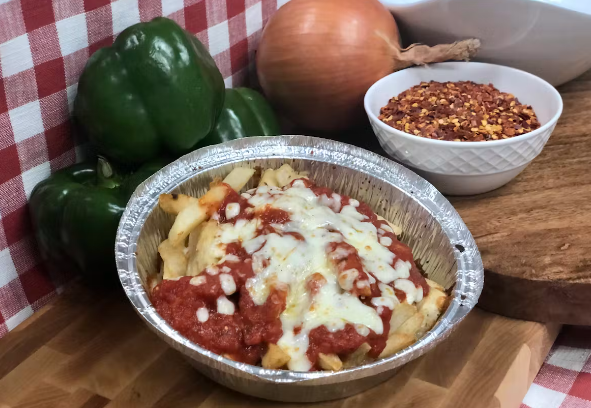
463, 168
548, 38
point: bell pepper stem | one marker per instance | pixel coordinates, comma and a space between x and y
106, 175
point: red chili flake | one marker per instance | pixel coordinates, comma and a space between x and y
459, 111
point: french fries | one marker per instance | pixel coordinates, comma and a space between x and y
431, 307
280, 177
329, 362
175, 203
186, 221
401, 314
175, 261
358, 357
269, 179
395, 228
201, 241
408, 323
285, 175
192, 212
397, 342
435, 285
238, 177
275, 357
412, 325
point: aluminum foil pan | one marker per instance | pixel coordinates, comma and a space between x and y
432, 228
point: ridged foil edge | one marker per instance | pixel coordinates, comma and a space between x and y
469, 275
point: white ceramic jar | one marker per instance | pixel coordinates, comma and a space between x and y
463, 168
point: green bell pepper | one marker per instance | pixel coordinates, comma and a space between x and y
155, 90
75, 214
245, 113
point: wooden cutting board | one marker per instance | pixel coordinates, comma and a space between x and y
534, 234
90, 349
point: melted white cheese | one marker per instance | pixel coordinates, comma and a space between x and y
212, 270
362, 330
224, 306
227, 283
346, 278
386, 227
202, 314
232, 210
230, 258
386, 241
409, 288
284, 261
197, 280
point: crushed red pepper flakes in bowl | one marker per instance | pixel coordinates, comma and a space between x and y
459, 111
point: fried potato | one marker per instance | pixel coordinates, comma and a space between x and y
435, 285
358, 357
174, 260
395, 228
285, 175
275, 357
195, 213
269, 179
191, 211
175, 203
401, 314
201, 242
186, 221
330, 362
397, 342
238, 177
412, 325
431, 307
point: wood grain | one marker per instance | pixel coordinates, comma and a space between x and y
534, 234
90, 349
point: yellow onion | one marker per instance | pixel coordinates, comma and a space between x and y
317, 58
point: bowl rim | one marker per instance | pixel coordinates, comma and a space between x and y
465, 145
469, 275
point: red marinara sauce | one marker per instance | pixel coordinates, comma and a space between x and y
245, 208
244, 334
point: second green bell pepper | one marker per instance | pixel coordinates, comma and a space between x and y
155, 90
75, 214
245, 113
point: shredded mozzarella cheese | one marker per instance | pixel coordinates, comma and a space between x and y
202, 314
227, 283
282, 260
224, 306
232, 210
197, 280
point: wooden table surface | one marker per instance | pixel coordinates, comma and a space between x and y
89, 349
534, 234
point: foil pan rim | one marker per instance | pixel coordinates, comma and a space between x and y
469, 275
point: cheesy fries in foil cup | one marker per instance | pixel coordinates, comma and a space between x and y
281, 267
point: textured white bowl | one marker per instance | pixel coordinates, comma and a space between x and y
463, 168
548, 38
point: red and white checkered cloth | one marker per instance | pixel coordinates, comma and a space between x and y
44, 45
564, 381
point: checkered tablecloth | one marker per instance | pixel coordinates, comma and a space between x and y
44, 45
564, 380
